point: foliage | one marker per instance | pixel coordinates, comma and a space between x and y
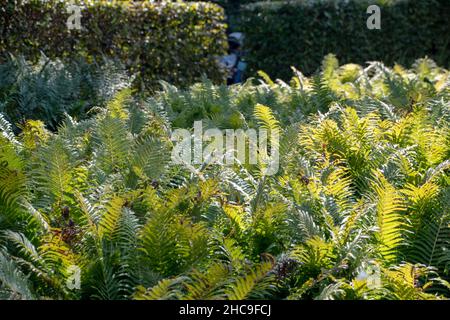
174, 41
363, 184
281, 34
49, 89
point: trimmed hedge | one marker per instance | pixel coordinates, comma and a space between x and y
175, 42
300, 33
232, 11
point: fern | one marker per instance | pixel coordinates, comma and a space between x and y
13, 280
389, 207
162, 291
266, 119
207, 284
255, 284
53, 179
112, 142
7, 132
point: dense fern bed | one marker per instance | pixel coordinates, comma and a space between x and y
359, 208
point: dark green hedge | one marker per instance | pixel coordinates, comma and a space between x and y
300, 33
176, 42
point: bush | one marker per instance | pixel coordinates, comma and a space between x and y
175, 42
300, 33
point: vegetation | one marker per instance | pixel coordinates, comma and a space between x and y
364, 184
280, 34
178, 42
47, 90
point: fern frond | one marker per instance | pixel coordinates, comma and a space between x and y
389, 209
111, 139
266, 118
207, 284
305, 226
164, 290
402, 282
52, 178
13, 280
7, 132
255, 284
233, 253
266, 78
116, 107
149, 158
110, 219
12, 186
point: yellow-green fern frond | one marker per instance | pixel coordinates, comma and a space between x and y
207, 284
164, 290
117, 106
266, 118
266, 78
111, 217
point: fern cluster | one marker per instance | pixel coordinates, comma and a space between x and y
359, 208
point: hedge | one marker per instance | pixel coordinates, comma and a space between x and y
233, 11
175, 42
300, 33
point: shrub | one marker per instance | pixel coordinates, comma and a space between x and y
299, 33
175, 42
